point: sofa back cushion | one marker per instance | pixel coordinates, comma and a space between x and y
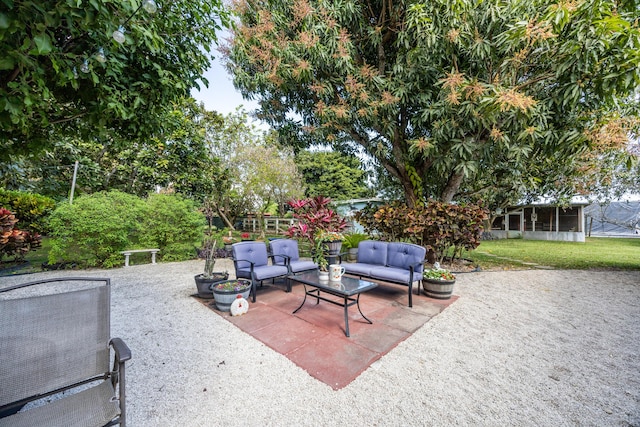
372, 252
402, 255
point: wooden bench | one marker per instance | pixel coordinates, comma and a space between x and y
127, 254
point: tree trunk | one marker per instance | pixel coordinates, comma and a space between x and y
452, 187
224, 217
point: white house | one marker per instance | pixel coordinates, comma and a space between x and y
541, 222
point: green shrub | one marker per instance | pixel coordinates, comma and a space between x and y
352, 240
443, 228
173, 225
32, 209
96, 228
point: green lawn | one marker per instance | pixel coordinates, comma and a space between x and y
595, 253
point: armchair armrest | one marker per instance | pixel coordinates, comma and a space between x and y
414, 267
287, 258
123, 353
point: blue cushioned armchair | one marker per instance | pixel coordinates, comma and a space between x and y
251, 261
285, 252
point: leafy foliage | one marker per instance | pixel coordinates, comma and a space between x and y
15, 242
333, 175
175, 155
173, 225
469, 99
45, 46
352, 240
314, 215
441, 227
96, 228
32, 209
257, 171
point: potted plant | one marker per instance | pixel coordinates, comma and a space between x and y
226, 291
351, 242
319, 257
321, 226
438, 282
209, 277
331, 239
228, 241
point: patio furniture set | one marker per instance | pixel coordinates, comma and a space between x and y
377, 262
55, 334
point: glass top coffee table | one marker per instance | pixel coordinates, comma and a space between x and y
349, 289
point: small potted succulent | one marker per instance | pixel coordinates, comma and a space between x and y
438, 282
205, 280
227, 291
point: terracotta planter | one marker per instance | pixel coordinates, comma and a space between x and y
438, 289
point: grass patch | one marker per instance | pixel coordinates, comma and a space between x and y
595, 253
600, 253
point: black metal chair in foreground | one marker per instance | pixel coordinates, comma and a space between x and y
55, 349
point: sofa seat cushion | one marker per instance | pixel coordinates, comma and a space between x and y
358, 268
391, 274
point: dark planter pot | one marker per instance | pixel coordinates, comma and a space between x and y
204, 284
225, 298
353, 254
438, 289
333, 247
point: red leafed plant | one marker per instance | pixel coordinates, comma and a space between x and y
14, 242
314, 214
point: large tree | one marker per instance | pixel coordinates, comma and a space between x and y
175, 155
61, 70
259, 171
332, 174
454, 99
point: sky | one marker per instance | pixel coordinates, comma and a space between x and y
221, 96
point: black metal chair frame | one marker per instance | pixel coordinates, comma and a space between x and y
116, 375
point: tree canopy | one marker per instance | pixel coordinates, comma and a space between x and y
477, 99
332, 174
259, 172
61, 71
176, 155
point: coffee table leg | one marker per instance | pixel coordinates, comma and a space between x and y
361, 314
305, 298
346, 316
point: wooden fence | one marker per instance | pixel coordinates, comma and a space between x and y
272, 225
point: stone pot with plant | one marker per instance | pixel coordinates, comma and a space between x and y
205, 280
351, 242
438, 282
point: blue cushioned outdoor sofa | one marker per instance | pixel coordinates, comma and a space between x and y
393, 262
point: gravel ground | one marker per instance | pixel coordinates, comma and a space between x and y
519, 348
